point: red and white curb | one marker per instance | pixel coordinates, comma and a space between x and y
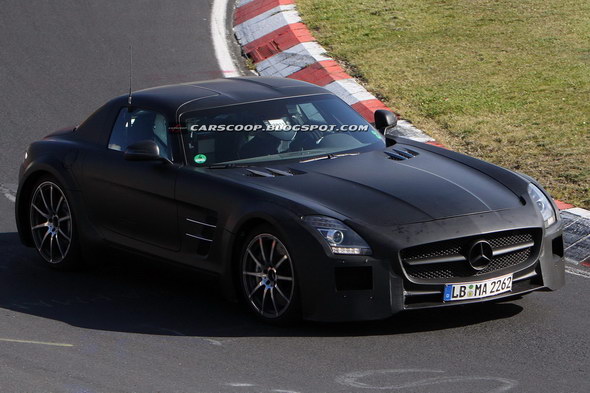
272, 35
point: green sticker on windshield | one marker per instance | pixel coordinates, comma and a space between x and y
200, 158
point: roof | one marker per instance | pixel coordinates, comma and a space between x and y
186, 97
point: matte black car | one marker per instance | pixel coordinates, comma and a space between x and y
291, 199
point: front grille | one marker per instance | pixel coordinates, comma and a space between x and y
448, 259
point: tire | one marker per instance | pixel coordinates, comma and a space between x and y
52, 225
267, 276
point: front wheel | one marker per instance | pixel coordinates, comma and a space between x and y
52, 225
268, 280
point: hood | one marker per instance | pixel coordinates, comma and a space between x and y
389, 189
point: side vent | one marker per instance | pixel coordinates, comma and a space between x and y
401, 154
201, 233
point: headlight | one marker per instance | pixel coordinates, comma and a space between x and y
340, 238
543, 205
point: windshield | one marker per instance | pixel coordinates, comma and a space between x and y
291, 128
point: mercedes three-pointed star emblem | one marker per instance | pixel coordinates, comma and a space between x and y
480, 255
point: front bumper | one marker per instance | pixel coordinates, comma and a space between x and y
346, 288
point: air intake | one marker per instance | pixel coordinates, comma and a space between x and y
401, 154
447, 259
270, 172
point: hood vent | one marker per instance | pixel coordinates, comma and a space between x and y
270, 172
401, 154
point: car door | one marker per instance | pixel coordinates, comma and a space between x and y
132, 202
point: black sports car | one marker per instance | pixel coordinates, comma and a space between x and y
295, 202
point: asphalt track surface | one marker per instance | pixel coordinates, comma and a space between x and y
133, 326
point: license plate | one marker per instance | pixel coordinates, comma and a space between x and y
479, 289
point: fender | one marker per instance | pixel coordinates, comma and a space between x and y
62, 166
237, 226
509, 179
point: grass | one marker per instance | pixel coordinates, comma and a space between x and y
507, 81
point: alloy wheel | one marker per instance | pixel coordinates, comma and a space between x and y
267, 276
51, 222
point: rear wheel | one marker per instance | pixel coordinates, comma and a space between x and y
267, 275
52, 224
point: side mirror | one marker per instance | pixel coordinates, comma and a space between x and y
143, 151
384, 119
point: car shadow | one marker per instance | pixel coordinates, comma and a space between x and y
126, 294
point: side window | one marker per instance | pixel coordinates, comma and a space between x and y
139, 125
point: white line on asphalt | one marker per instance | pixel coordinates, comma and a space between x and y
10, 340
219, 37
178, 333
240, 385
357, 380
7, 192
577, 272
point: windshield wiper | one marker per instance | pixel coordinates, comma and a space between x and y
343, 155
329, 156
226, 166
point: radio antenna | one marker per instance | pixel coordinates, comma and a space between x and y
130, 72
